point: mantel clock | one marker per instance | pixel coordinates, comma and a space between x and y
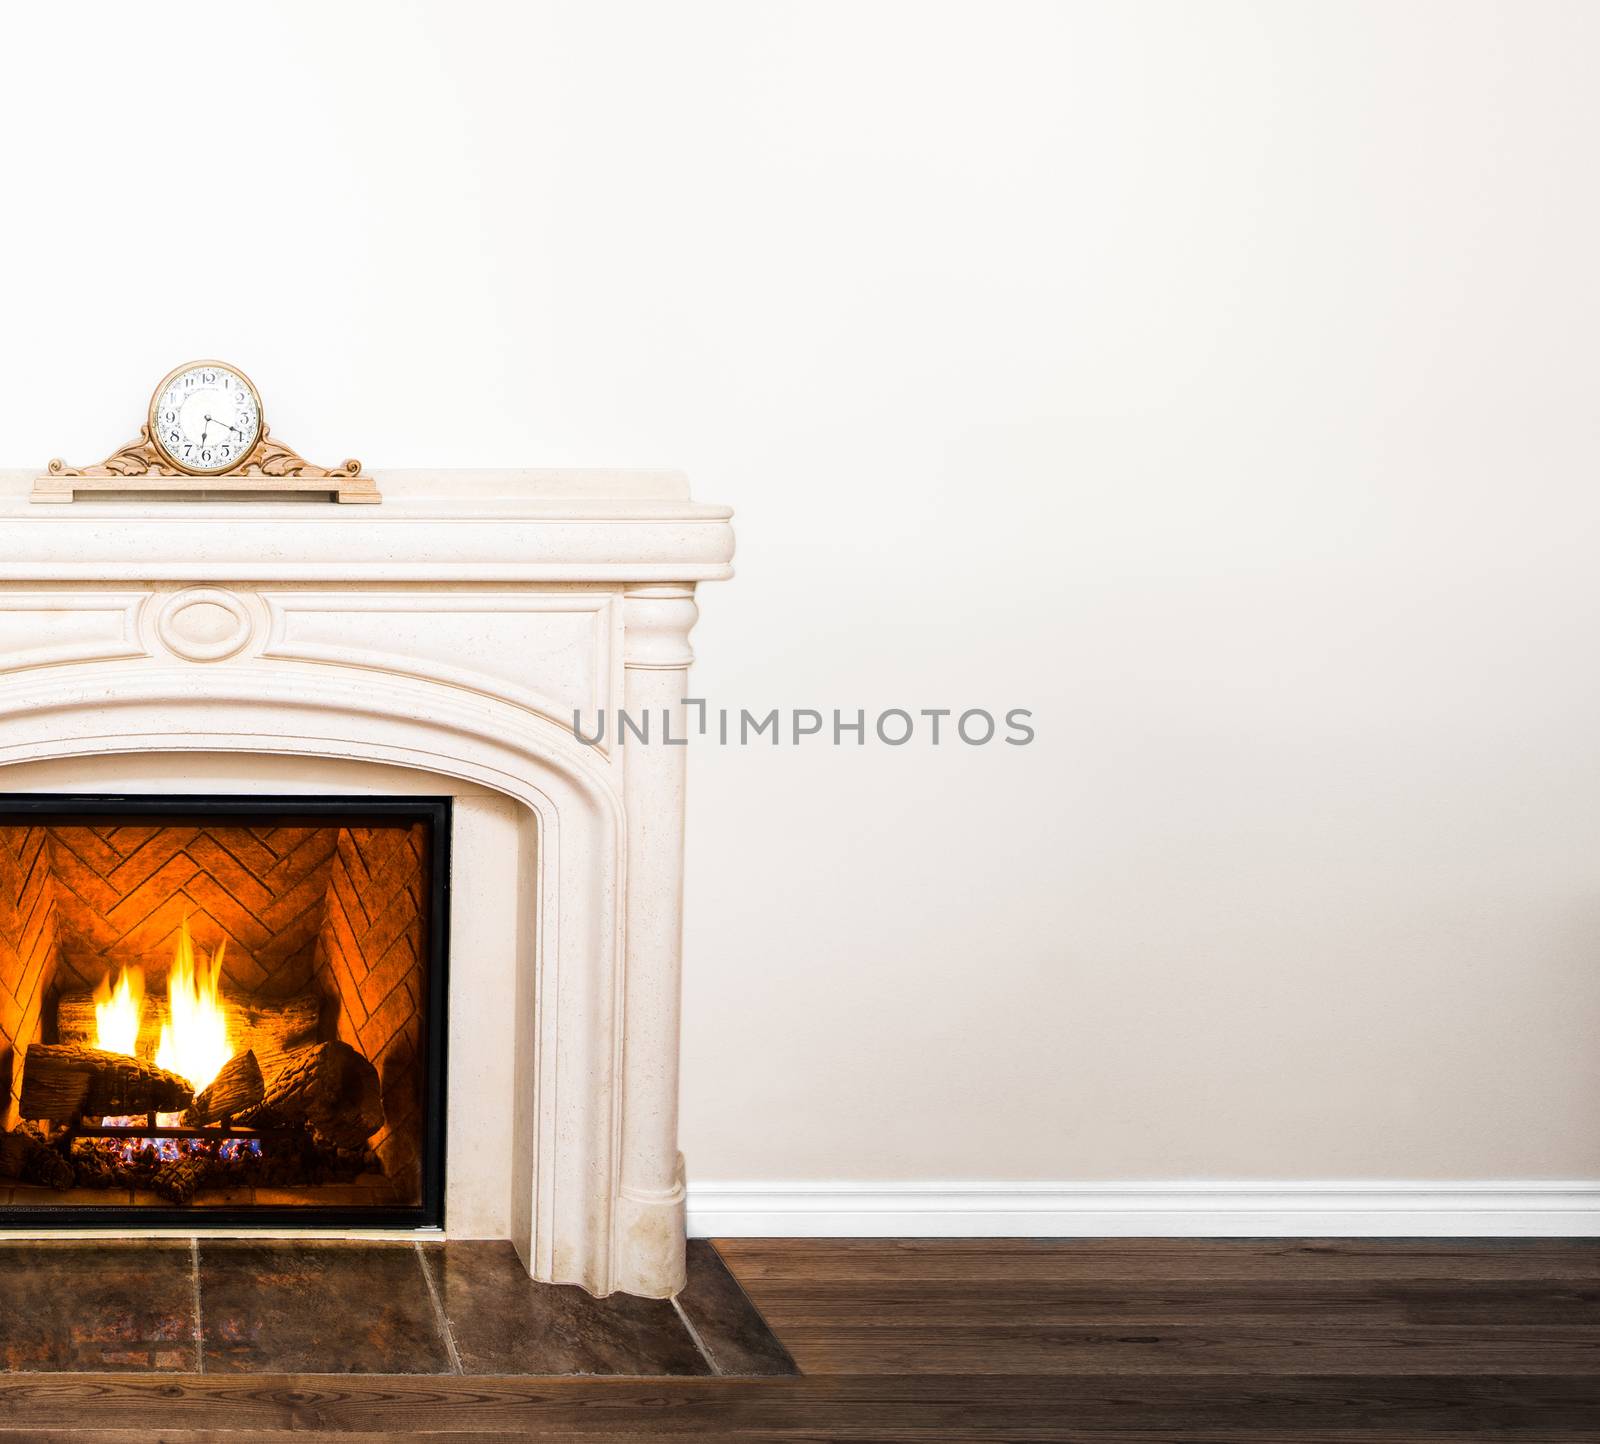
205, 432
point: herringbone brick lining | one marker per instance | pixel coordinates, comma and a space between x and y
27, 948
339, 909
369, 955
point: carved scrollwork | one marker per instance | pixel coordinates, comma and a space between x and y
266, 458
272, 458
137, 458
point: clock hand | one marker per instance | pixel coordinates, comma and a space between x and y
213, 421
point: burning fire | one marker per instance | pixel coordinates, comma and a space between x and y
194, 1044
194, 1040
117, 1012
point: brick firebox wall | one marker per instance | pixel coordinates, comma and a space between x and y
27, 950
123, 892
369, 956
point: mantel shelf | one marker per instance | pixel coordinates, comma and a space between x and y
503, 526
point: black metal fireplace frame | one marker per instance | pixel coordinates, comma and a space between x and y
33, 808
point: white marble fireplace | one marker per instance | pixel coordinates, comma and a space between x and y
439, 643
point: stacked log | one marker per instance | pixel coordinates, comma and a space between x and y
267, 1027
280, 1079
330, 1089
178, 1182
65, 1081
25, 1155
235, 1090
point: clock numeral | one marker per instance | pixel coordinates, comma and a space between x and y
170, 416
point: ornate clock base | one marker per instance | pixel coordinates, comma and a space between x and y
67, 486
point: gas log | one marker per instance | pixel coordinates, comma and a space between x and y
234, 1091
25, 1155
61, 1081
267, 1027
328, 1087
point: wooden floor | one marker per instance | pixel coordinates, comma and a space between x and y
1150, 1340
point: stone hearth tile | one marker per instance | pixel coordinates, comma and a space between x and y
729, 1327
303, 1307
97, 1307
505, 1323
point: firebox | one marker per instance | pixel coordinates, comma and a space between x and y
223, 1011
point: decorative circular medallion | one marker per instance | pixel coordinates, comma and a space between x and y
205, 624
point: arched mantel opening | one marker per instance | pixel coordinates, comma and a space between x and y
572, 1217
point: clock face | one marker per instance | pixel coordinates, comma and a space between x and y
206, 417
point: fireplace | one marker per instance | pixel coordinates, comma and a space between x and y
223, 1011
439, 645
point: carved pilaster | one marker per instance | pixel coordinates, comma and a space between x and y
649, 1227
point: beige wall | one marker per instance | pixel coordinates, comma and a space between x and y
1216, 380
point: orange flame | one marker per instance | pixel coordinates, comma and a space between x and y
117, 1011
194, 1042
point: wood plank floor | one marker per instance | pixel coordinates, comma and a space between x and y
1293, 1342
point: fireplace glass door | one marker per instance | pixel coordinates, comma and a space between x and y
222, 1010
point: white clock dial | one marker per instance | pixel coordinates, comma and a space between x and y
206, 417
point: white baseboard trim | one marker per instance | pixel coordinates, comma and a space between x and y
1170, 1210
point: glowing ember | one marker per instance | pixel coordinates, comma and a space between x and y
194, 1043
117, 1012
170, 1150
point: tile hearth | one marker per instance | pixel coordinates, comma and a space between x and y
232, 1306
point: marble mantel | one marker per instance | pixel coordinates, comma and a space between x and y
453, 630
